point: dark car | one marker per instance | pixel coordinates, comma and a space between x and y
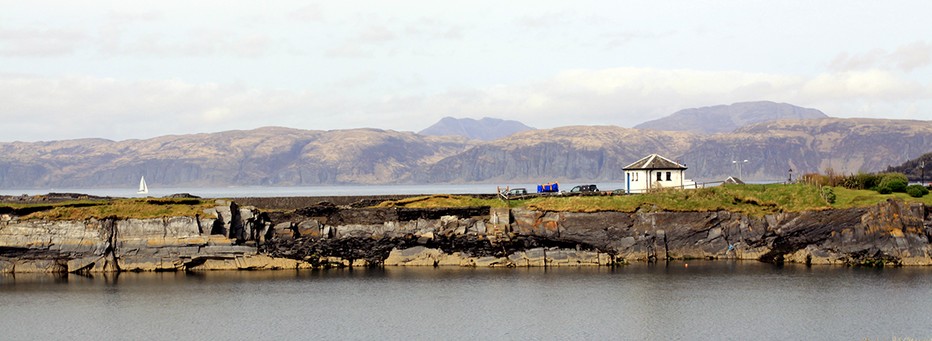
516, 192
584, 189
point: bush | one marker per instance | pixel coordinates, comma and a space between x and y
896, 182
814, 179
861, 181
916, 191
828, 194
883, 190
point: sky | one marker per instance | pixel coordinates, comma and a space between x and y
139, 69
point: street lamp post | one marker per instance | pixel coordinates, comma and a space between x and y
738, 164
922, 172
791, 176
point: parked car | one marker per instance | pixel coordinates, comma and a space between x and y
515, 192
584, 189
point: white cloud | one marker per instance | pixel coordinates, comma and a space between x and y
44, 42
871, 84
628, 96
375, 34
913, 56
905, 58
308, 13
75, 107
38, 108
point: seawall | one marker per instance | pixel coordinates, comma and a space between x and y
235, 237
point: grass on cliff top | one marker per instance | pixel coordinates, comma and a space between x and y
433, 201
123, 209
847, 198
749, 199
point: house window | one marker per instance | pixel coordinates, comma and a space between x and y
659, 176
668, 176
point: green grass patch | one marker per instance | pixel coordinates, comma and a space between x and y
122, 209
755, 200
847, 198
750, 199
433, 201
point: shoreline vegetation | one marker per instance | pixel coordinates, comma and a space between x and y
753, 200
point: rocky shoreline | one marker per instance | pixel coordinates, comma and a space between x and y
328, 235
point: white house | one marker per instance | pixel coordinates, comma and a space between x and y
654, 172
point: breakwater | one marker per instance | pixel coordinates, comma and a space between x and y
325, 234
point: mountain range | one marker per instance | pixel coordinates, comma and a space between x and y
275, 156
727, 118
486, 129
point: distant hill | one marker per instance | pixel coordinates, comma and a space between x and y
771, 148
584, 154
727, 118
576, 152
271, 156
486, 129
847, 146
918, 169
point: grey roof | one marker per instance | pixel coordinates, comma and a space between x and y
654, 161
733, 180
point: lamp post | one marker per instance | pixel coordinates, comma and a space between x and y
738, 164
922, 172
791, 176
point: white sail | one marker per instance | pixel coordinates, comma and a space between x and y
143, 189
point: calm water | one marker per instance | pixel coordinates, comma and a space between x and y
227, 192
704, 301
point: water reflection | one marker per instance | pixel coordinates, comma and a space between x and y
675, 300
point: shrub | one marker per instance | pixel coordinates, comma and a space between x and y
861, 181
916, 191
884, 190
828, 194
814, 179
896, 182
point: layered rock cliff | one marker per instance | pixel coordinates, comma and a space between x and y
890, 233
167, 244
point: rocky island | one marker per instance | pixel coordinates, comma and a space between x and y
76, 233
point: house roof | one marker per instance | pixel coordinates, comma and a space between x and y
733, 180
654, 161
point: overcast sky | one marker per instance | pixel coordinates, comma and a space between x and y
138, 69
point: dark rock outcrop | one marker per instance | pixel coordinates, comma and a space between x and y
890, 233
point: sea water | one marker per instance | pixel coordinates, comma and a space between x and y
700, 300
294, 191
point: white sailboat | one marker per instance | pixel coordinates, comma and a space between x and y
143, 188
